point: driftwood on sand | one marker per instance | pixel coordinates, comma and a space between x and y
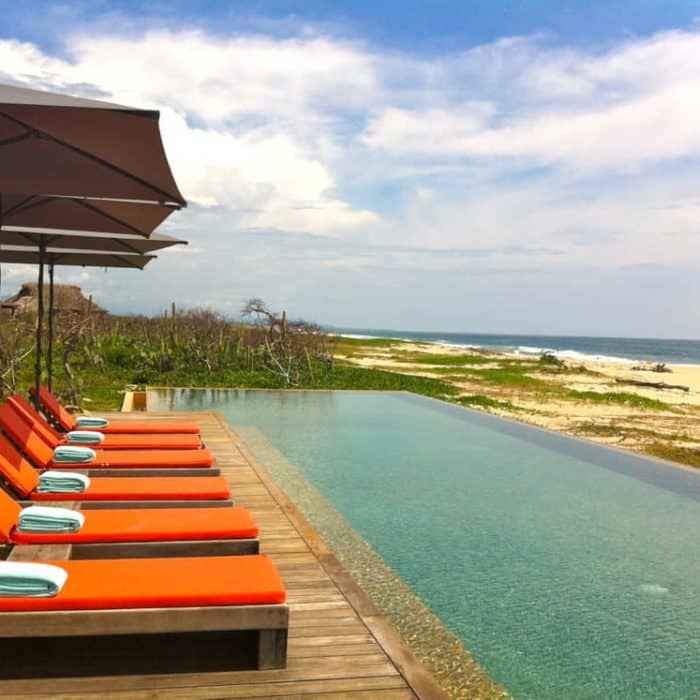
653, 385
658, 367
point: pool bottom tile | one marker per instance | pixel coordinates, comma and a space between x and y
440, 651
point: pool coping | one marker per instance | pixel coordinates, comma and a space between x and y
421, 682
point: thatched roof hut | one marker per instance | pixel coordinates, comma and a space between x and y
67, 298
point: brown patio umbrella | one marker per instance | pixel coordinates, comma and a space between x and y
42, 256
66, 160
57, 145
86, 240
84, 214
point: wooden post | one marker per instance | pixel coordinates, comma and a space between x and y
39, 325
49, 360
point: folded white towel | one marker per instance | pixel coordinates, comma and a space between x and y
27, 579
91, 422
73, 454
54, 481
85, 437
49, 519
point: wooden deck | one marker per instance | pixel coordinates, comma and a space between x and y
340, 646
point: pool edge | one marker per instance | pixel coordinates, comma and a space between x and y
421, 682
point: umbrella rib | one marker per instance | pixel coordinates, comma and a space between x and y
128, 262
97, 159
115, 219
16, 139
24, 204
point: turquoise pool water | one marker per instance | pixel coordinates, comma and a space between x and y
569, 570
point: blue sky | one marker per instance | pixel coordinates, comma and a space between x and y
457, 166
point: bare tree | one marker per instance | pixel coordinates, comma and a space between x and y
292, 348
16, 345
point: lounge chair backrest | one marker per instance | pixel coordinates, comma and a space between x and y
15, 470
53, 407
9, 513
23, 435
32, 410
29, 414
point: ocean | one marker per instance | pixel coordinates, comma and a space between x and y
571, 347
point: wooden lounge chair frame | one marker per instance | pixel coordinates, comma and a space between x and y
134, 638
139, 550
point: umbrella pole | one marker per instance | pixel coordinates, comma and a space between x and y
1, 219
49, 360
39, 326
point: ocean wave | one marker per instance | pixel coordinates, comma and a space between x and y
357, 336
573, 355
449, 344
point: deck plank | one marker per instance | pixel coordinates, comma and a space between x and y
336, 649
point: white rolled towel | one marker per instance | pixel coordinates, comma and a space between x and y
85, 437
49, 519
55, 481
73, 454
30, 580
91, 422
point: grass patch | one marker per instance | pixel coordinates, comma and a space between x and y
352, 347
619, 431
352, 377
425, 358
684, 455
482, 401
511, 377
617, 397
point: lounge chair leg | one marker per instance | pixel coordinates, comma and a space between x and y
272, 649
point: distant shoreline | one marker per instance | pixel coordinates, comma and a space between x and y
629, 404
621, 351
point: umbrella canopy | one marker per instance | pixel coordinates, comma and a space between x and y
84, 214
53, 144
85, 241
59, 154
79, 258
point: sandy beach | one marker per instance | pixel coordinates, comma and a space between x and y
587, 398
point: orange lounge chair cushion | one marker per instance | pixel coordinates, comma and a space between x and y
172, 441
116, 459
151, 525
146, 488
160, 583
150, 426
67, 421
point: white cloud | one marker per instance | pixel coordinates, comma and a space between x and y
516, 155
243, 118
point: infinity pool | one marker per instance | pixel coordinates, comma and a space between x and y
567, 569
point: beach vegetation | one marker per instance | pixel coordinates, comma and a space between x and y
690, 456
482, 401
510, 376
349, 347
617, 397
424, 358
